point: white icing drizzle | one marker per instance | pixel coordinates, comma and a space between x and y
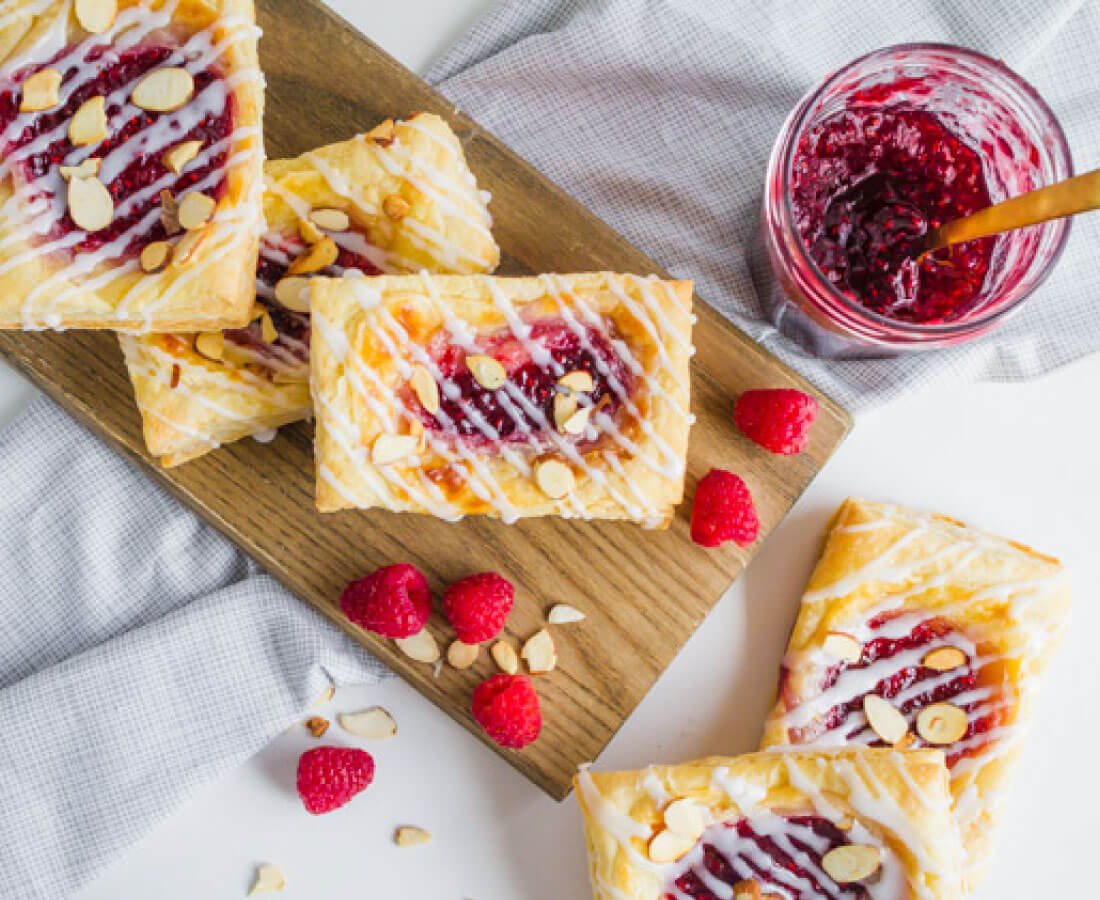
34, 207
469, 463
907, 580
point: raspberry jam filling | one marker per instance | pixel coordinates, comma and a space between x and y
893, 667
524, 408
291, 347
867, 186
133, 168
782, 855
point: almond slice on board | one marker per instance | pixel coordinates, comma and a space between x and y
374, 724
195, 210
843, 646
390, 448
884, 718
942, 723
317, 257
554, 478
96, 16
461, 655
164, 90
41, 91
487, 372
944, 659
268, 879
90, 204
504, 655
89, 123
421, 646
293, 293
563, 614
330, 219
178, 157
851, 862
539, 653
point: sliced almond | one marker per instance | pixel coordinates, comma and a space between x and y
390, 448
154, 256
579, 381
211, 344
577, 422
293, 293
268, 332
884, 718
178, 157
685, 816
668, 846
96, 16
330, 219
186, 248
416, 429
487, 371
317, 257
90, 204
395, 207
164, 90
563, 614
410, 836
268, 879
310, 233
554, 478
383, 133
747, 890
326, 695
89, 123
41, 91
843, 646
195, 210
565, 405
169, 213
421, 646
425, 388
845, 823
539, 653
375, 724
87, 169
504, 655
461, 655
851, 862
944, 659
317, 725
942, 723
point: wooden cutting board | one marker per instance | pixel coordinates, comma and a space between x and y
644, 592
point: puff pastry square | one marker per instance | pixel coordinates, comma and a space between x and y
849, 824
103, 135
562, 395
400, 199
946, 628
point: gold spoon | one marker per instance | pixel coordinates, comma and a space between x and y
1056, 201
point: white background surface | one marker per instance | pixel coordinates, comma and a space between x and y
1018, 459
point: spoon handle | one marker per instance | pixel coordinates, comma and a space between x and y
1066, 198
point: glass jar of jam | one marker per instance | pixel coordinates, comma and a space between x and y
892, 145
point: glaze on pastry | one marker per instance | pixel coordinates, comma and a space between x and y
918, 631
399, 199
849, 824
561, 395
102, 136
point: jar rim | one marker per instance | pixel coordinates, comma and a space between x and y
854, 313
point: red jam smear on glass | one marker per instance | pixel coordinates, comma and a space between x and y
866, 186
930, 633
115, 70
592, 353
812, 835
293, 327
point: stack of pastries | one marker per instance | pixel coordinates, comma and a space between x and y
351, 284
903, 698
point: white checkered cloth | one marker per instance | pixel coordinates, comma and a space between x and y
141, 655
660, 115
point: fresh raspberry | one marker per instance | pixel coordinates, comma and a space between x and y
328, 777
393, 601
723, 511
478, 606
778, 419
507, 707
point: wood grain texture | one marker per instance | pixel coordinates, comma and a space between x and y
644, 592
